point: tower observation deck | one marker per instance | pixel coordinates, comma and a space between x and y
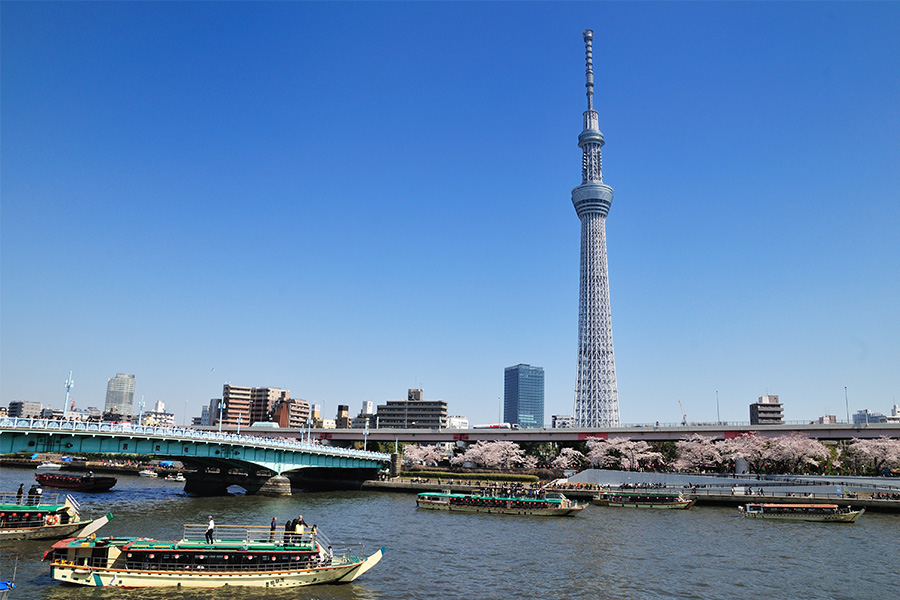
596, 394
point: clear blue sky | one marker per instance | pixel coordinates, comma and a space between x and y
348, 200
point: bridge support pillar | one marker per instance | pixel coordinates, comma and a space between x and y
279, 485
205, 486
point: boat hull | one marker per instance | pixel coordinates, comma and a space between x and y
849, 517
499, 510
683, 505
77, 483
101, 577
46, 532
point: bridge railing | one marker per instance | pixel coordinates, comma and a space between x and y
185, 433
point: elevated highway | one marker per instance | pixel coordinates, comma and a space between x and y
649, 433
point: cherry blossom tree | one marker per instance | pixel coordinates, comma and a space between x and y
789, 453
877, 454
569, 458
621, 453
494, 455
749, 447
422, 455
698, 452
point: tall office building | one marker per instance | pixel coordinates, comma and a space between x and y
596, 394
120, 394
523, 396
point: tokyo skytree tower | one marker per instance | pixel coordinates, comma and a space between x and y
596, 396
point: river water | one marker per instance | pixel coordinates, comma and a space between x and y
601, 554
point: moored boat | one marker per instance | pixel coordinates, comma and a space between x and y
49, 466
49, 516
552, 504
827, 513
240, 556
81, 483
643, 499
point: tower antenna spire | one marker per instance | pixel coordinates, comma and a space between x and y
589, 66
596, 393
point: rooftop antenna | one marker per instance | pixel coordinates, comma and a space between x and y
589, 66
69, 384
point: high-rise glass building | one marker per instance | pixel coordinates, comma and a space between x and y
523, 396
120, 394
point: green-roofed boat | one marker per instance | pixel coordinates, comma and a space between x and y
643, 499
504, 502
39, 517
238, 556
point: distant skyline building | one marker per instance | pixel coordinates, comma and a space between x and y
120, 394
596, 393
523, 396
412, 413
562, 421
767, 411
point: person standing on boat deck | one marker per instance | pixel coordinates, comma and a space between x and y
298, 529
210, 530
31, 494
289, 531
273, 528
20, 493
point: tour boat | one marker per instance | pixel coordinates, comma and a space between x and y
551, 504
49, 466
239, 556
29, 517
148, 473
828, 513
81, 483
643, 499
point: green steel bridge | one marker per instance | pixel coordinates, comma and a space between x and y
215, 460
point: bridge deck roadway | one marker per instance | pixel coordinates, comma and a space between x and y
221, 450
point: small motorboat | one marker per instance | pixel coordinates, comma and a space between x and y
49, 466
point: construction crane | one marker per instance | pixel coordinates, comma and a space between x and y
683, 416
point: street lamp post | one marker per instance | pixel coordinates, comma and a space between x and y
239, 425
366, 435
718, 419
847, 404
221, 414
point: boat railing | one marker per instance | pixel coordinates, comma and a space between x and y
255, 534
52, 498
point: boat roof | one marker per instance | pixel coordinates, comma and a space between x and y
32, 507
492, 497
770, 505
146, 544
641, 492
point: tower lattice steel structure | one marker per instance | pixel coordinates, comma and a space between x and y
596, 395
